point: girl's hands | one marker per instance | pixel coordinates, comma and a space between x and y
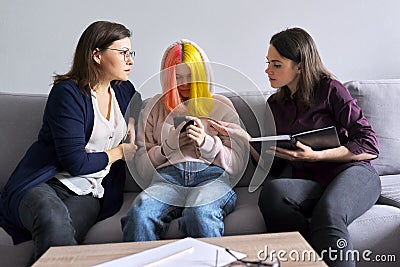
196, 132
174, 140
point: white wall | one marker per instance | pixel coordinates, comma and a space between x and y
357, 39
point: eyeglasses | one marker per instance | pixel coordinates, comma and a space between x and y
274, 261
125, 52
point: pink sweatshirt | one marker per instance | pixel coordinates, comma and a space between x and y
153, 129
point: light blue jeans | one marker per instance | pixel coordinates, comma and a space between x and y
198, 193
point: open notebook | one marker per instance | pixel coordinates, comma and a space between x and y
318, 139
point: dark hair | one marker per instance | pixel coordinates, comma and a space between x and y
297, 45
84, 70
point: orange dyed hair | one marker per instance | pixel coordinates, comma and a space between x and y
201, 102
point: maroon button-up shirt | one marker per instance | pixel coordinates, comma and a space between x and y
332, 106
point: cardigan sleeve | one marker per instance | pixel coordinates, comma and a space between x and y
68, 115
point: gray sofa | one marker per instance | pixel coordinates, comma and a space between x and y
378, 230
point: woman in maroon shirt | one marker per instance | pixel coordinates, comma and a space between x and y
327, 189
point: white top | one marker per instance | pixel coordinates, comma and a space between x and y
105, 135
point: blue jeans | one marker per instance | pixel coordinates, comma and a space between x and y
197, 193
56, 216
321, 215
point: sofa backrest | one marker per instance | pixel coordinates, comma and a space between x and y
251, 107
20, 117
380, 103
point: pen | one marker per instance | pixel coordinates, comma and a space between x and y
159, 261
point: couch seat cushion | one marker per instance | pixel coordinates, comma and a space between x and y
377, 230
109, 230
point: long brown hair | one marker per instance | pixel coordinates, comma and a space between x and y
84, 70
297, 45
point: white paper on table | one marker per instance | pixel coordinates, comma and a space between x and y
184, 252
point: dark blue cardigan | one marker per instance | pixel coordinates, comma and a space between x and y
67, 126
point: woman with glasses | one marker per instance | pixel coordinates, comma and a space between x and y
73, 175
327, 189
188, 164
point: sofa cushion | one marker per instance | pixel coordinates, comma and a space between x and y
110, 228
377, 230
379, 100
16, 256
246, 218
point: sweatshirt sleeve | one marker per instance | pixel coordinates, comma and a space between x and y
148, 156
66, 116
225, 151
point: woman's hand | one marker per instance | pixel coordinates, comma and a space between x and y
303, 153
235, 131
129, 149
131, 134
115, 154
125, 151
172, 141
230, 129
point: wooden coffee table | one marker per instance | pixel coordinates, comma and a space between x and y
288, 246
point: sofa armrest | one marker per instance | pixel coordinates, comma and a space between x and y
390, 194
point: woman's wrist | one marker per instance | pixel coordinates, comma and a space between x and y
317, 156
115, 154
166, 149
